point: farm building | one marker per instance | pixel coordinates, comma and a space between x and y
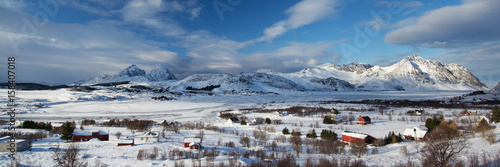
364, 120
415, 112
126, 142
233, 120
419, 131
352, 137
192, 143
81, 135
148, 137
487, 119
6, 143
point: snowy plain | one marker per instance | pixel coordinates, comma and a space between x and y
63, 105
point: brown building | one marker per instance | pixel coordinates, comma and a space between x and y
81, 135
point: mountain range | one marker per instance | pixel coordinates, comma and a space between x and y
134, 74
411, 73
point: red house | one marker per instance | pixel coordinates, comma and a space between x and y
465, 113
80, 135
364, 120
126, 143
192, 143
352, 137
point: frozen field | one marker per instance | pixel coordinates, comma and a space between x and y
63, 105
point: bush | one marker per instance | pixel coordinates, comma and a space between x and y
268, 121
328, 134
286, 131
392, 138
245, 141
496, 113
358, 148
327, 120
243, 122
489, 136
37, 125
433, 122
442, 146
68, 158
312, 134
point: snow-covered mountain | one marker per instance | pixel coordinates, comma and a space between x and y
496, 89
242, 82
135, 74
413, 72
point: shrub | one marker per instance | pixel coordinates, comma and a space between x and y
442, 146
312, 134
268, 121
327, 120
286, 131
328, 134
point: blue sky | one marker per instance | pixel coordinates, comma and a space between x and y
67, 40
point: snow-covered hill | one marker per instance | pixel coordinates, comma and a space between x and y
242, 82
413, 72
135, 74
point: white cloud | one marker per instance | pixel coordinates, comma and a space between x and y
71, 52
156, 14
471, 22
303, 13
290, 58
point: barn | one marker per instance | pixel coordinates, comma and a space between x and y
81, 135
352, 137
126, 143
364, 120
192, 143
417, 132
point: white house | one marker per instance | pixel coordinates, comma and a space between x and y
487, 119
148, 137
420, 132
17, 145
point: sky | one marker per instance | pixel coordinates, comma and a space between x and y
62, 41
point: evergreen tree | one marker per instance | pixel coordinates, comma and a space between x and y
286, 131
243, 122
268, 120
312, 134
328, 134
327, 120
433, 122
496, 113
68, 129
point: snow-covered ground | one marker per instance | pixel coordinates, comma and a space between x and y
62, 105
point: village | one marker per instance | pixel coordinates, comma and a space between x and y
273, 135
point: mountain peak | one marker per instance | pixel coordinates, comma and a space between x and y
135, 74
132, 71
414, 57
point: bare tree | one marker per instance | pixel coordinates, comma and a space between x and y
118, 135
442, 145
489, 136
68, 158
296, 141
245, 141
358, 148
201, 135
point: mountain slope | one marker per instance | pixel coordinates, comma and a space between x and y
412, 72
